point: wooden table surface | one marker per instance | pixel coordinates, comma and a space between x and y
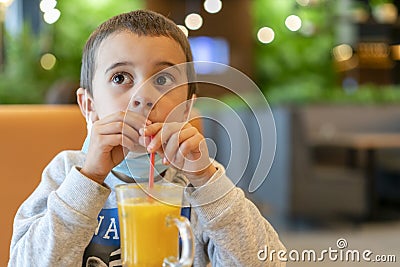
359, 140
369, 143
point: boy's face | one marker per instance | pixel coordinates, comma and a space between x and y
125, 78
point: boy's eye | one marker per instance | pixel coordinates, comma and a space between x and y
164, 79
121, 78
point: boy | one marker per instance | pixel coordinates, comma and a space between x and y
71, 218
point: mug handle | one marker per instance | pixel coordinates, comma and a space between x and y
186, 234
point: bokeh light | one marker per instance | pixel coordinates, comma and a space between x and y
395, 52
51, 16
48, 61
293, 23
385, 13
47, 5
193, 21
342, 52
213, 6
184, 29
266, 35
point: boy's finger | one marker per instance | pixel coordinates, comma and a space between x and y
116, 116
133, 119
136, 120
152, 129
191, 145
117, 128
109, 141
144, 140
162, 136
171, 148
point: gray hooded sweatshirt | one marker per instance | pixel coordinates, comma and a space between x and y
70, 220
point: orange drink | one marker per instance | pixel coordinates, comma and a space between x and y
144, 232
147, 218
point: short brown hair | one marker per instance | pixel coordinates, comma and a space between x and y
142, 23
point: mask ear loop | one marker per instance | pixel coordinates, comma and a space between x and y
89, 122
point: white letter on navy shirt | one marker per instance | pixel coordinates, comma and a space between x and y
112, 228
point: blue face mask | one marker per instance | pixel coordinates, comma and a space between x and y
134, 166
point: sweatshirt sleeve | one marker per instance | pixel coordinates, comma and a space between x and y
55, 224
230, 227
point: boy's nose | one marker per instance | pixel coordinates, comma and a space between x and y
142, 105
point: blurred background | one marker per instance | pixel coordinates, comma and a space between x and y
330, 70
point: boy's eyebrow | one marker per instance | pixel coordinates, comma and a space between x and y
169, 64
117, 64
128, 63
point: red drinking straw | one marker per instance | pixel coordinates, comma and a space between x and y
151, 170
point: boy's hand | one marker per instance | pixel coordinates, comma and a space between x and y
182, 146
109, 136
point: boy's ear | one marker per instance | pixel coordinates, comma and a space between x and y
85, 103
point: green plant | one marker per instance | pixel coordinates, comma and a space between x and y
379, 2
295, 66
23, 79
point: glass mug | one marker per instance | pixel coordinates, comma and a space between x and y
147, 218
